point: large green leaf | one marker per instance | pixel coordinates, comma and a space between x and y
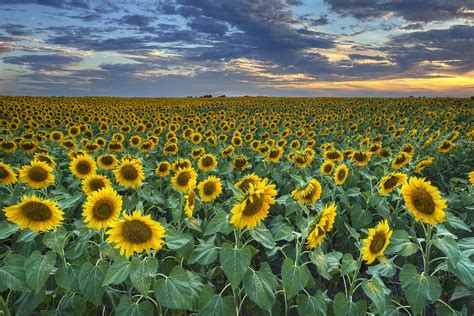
344, 306
449, 247
349, 265
55, 240
71, 304
311, 305
176, 240
28, 302
174, 291
118, 271
260, 286
38, 269
128, 308
235, 262
262, 235
7, 229
142, 273
12, 274
418, 288
205, 253
218, 224
218, 306
91, 279
68, 277
400, 243
375, 289
294, 277
326, 264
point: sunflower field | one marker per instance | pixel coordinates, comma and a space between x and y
236, 206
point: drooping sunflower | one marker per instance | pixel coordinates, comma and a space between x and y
189, 203
360, 158
308, 194
377, 241
35, 213
341, 173
239, 163
207, 162
163, 169
7, 175
136, 233
8, 146
184, 179
94, 182
422, 164
181, 163
247, 181
129, 173
107, 162
445, 146
101, 208
327, 167
37, 175
334, 155
210, 189
45, 158
400, 160
274, 154
83, 166
254, 205
390, 182
321, 226
424, 201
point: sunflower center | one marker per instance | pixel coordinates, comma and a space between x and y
273, 154
7, 145
83, 167
107, 160
245, 185
333, 155
136, 232
38, 174
239, 163
359, 157
36, 211
96, 184
191, 198
377, 243
327, 168
129, 172
209, 188
391, 182
252, 208
3, 173
445, 145
102, 210
400, 159
207, 162
423, 202
163, 168
183, 178
341, 174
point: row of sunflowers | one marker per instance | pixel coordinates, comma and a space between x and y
249, 205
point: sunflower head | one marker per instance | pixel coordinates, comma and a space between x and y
377, 241
207, 162
247, 181
94, 182
184, 179
107, 162
83, 166
210, 189
321, 226
390, 182
101, 208
189, 203
308, 194
360, 158
400, 160
163, 169
7, 175
341, 173
239, 163
129, 173
37, 174
327, 167
471, 177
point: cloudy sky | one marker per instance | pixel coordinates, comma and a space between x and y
237, 47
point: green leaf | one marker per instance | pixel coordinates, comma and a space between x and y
38, 269
12, 274
282, 231
142, 273
344, 306
456, 223
418, 288
219, 305
28, 302
55, 240
311, 305
7, 229
118, 272
91, 279
294, 277
205, 253
327, 263
218, 224
67, 278
359, 217
72, 304
176, 240
349, 264
449, 247
400, 243
173, 291
262, 235
127, 308
235, 263
375, 289
260, 286
386, 269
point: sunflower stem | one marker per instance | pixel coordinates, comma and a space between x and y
428, 232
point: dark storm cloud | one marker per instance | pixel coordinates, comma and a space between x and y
410, 10
208, 25
138, 20
42, 62
14, 29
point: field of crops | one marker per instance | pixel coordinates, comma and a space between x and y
225, 206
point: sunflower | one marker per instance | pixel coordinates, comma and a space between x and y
445, 146
189, 203
247, 181
334, 155
471, 177
239, 163
390, 182
184, 179
301, 160
377, 241
308, 194
7, 175
210, 189
321, 226
327, 167
341, 173
360, 158
37, 175
424, 201
83, 166
101, 208
35, 213
94, 183
163, 169
107, 162
136, 233
180, 164
400, 160
207, 162
8, 146
129, 173
274, 154
45, 158
254, 205
422, 164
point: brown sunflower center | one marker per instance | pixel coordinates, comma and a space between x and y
445, 145
207, 161
423, 201
83, 167
400, 159
191, 198
341, 174
245, 185
239, 163
390, 182
378, 242
3, 173
252, 208
163, 168
102, 210
328, 168
7, 145
209, 188
333, 155
38, 174
136, 231
129, 172
360, 157
274, 153
183, 178
36, 211
96, 184
107, 160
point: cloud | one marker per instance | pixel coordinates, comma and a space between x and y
50, 3
37, 62
138, 20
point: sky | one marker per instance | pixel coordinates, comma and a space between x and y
181, 48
